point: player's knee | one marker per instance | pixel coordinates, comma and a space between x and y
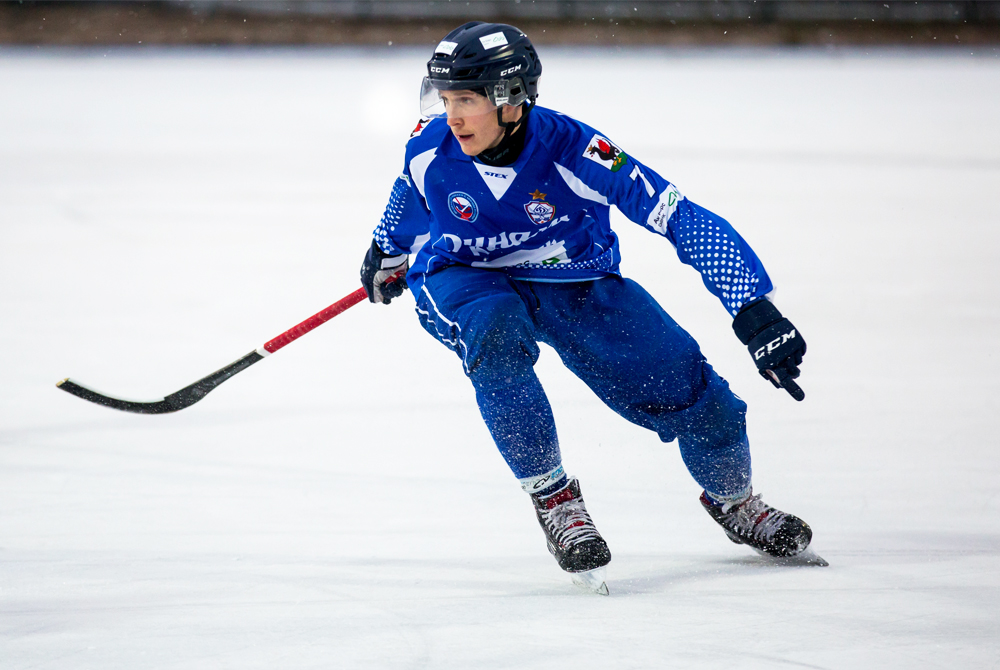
505, 350
719, 417
714, 415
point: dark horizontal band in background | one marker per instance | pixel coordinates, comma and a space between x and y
408, 22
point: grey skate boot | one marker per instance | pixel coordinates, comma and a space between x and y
755, 523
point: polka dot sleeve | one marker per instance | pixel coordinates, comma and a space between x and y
728, 266
403, 221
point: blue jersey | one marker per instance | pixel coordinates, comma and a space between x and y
546, 217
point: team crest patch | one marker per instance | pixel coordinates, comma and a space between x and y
462, 206
539, 211
602, 150
421, 124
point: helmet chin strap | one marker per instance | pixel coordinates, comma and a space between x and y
509, 126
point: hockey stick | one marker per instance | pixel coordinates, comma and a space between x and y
784, 380
189, 395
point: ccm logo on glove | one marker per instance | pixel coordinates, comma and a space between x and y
773, 342
772, 345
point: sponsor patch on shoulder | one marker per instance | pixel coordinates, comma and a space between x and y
664, 209
602, 150
421, 124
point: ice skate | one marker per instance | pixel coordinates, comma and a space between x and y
572, 537
592, 580
755, 523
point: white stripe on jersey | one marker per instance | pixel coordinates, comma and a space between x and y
418, 168
579, 187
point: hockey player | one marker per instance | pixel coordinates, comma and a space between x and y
505, 207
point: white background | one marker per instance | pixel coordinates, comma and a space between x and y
340, 505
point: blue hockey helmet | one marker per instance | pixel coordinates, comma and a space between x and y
493, 58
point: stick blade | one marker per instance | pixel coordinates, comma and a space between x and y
161, 406
186, 397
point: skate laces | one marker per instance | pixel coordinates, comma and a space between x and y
569, 522
756, 518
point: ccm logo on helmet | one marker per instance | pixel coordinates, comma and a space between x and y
772, 345
510, 70
440, 70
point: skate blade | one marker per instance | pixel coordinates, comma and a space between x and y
805, 557
809, 557
592, 580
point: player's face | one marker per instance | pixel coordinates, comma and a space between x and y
473, 121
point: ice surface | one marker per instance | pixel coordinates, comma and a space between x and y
340, 505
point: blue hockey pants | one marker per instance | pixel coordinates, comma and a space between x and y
615, 337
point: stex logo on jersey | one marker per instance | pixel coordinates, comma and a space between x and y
539, 211
462, 206
421, 124
602, 150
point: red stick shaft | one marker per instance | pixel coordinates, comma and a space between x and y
317, 319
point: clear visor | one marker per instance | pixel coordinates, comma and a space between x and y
460, 101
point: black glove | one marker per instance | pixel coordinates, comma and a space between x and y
384, 276
777, 348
